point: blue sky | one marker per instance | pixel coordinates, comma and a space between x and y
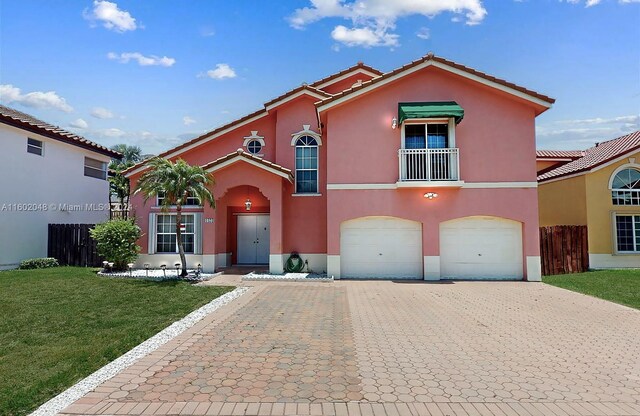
155, 73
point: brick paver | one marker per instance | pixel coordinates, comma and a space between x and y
385, 348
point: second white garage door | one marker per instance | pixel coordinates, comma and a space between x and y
481, 248
381, 247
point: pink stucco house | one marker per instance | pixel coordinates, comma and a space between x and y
425, 172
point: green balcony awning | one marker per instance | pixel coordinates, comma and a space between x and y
434, 109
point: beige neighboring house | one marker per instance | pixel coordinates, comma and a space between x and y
47, 176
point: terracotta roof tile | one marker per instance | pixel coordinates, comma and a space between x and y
27, 122
596, 156
559, 154
432, 57
249, 156
359, 65
296, 90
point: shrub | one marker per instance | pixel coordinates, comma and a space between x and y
116, 242
41, 263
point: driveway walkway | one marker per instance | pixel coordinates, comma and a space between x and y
391, 349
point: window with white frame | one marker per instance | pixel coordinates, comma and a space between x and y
426, 136
254, 147
166, 237
254, 143
306, 165
95, 168
625, 187
627, 233
35, 147
191, 200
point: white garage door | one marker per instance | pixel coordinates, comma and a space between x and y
381, 247
481, 248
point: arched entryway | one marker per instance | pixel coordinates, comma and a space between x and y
247, 233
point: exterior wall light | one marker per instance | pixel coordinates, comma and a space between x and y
247, 204
394, 123
430, 195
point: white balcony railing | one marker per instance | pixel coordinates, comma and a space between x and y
429, 164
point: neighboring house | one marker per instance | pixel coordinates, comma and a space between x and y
601, 190
47, 175
424, 172
547, 160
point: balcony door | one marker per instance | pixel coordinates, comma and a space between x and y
427, 163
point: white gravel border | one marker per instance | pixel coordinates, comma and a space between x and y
288, 277
84, 386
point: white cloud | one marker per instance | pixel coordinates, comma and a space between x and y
374, 20
423, 33
102, 113
36, 99
364, 36
589, 3
142, 60
112, 132
187, 120
221, 71
207, 31
79, 124
582, 133
111, 16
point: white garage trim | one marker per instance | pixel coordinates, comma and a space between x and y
431, 267
381, 247
482, 247
534, 269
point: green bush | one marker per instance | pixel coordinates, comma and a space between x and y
116, 242
42, 263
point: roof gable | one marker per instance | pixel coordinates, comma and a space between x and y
596, 157
359, 68
242, 156
542, 101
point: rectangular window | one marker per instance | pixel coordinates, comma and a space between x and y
34, 146
426, 136
166, 237
306, 169
191, 200
95, 168
625, 197
628, 233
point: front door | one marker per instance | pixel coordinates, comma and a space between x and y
253, 239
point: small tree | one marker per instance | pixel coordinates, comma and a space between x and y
118, 183
176, 182
116, 241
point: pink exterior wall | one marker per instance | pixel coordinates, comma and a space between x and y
496, 137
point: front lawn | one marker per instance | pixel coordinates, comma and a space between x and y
59, 325
620, 286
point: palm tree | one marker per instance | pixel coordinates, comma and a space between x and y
176, 182
118, 183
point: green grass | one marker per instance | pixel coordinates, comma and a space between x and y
619, 286
59, 325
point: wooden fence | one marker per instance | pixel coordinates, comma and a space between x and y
72, 245
564, 249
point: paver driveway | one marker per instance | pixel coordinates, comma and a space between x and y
391, 348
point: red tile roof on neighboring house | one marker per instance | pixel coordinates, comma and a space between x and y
431, 57
559, 154
241, 153
595, 156
27, 122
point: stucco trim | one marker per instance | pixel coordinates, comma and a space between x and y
534, 269
434, 184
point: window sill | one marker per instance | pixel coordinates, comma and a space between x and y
309, 194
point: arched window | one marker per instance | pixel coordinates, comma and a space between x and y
625, 187
306, 165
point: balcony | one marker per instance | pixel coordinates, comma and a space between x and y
429, 168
